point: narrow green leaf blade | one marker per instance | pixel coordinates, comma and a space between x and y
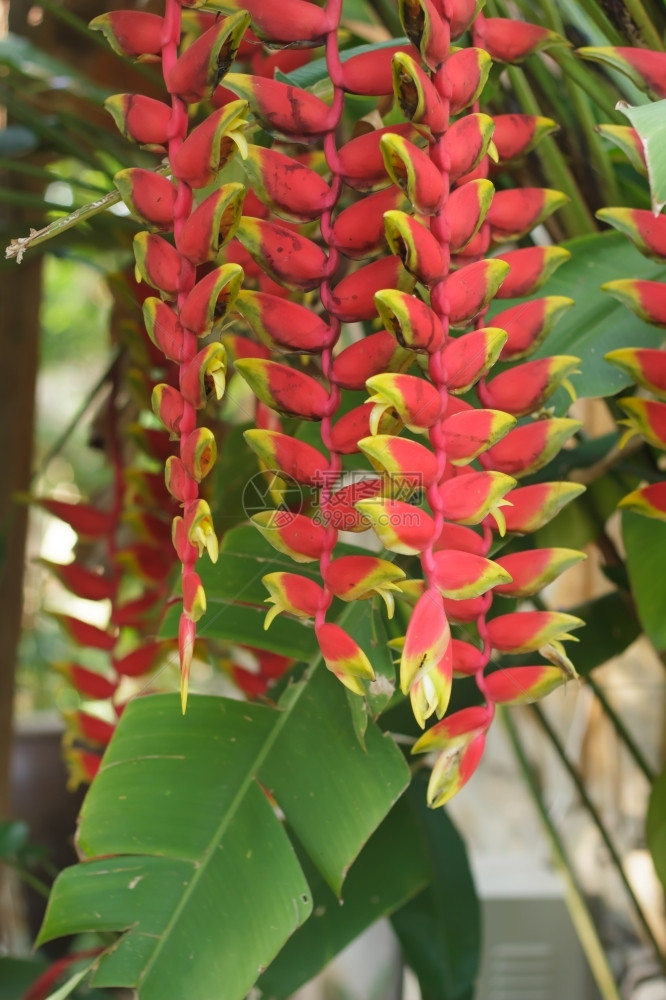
645, 545
649, 120
656, 826
439, 929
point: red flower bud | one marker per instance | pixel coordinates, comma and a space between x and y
212, 224
468, 357
515, 212
645, 298
356, 424
530, 268
88, 683
211, 145
417, 248
158, 263
370, 73
163, 328
211, 299
82, 725
640, 225
466, 142
294, 21
413, 324
463, 575
358, 231
414, 173
467, 71
169, 406
344, 657
417, 95
87, 521
148, 196
281, 109
645, 68
416, 401
290, 189
523, 685
142, 660
285, 255
525, 388
290, 592
375, 353
84, 634
361, 163
470, 432
204, 376
465, 210
528, 323
528, 448
534, 569
455, 536
526, 631
133, 33
645, 417
202, 65
515, 135
648, 500
428, 636
510, 41
279, 322
628, 140
294, 534
354, 296
470, 289
426, 29
293, 457
408, 464
140, 119
534, 506
470, 497
286, 390
399, 526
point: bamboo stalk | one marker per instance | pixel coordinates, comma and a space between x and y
622, 731
601, 828
573, 894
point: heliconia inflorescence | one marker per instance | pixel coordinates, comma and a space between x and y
644, 416
398, 231
400, 205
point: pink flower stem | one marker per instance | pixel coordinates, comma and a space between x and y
330, 151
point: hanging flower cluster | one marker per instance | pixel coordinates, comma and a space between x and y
645, 415
123, 557
420, 190
194, 295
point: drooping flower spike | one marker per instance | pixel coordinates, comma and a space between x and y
421, 191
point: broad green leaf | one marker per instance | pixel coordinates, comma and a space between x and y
317, 769
645, 545
18, 974
597, 323
381, 880
185, 849
656, 826
649, 120
439, 929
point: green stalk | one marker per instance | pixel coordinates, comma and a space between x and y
622, 731
595, 13
601, 828
575, 900
576, 216
599, 160
647, 29
18, 247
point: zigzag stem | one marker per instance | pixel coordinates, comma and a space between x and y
334, 67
